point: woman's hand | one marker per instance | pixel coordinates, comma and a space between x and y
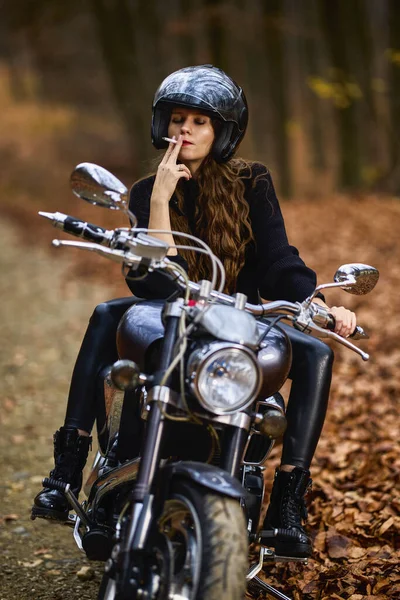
346, 321
169, 173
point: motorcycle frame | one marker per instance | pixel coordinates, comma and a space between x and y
142, 499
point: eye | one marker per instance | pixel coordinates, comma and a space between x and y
200, 121
176, 119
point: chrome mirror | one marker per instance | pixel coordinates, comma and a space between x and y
357, 278
98, 186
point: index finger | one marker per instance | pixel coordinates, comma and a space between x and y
168, 152
175, 152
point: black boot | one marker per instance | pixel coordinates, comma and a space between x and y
70, 454
286, 513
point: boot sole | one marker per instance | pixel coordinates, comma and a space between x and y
290, 548
51, 515
295, 551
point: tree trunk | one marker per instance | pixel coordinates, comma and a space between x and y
274, 48
332, 19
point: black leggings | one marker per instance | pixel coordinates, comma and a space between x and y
308, 400
98, 350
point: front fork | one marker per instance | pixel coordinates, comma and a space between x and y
140, 517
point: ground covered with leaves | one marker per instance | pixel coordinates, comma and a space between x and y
355, 504
355, 508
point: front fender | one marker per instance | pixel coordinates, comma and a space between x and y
207, 476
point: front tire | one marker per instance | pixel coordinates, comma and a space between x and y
212, 532
200, 545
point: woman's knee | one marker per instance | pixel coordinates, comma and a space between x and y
100, 314
322, 353
110, 311
311, 351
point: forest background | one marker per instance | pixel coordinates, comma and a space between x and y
322, 79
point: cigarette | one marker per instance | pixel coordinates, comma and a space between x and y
167, 139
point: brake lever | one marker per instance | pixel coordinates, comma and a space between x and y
321, 332
322, 317
118, 256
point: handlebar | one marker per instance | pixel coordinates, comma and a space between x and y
123, 246
297, 313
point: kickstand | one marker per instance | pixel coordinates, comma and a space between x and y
267, 555
256, 582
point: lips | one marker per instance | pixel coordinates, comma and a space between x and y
186, 143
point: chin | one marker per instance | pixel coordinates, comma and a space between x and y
189, 154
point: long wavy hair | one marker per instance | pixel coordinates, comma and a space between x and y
221, 218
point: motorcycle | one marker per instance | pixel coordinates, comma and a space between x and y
173, 517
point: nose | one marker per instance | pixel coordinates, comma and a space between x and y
185, 126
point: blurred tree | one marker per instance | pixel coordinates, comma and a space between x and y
276, 86
322, 78
394, 57
131, 56
333, 15
216, 32
312, 66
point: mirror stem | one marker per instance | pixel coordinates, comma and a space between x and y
342, 284
131, 217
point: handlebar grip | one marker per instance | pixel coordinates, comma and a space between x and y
79, 228
87, 231
357, 334
331, 322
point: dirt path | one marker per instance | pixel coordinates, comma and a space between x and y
39, 307
355, 513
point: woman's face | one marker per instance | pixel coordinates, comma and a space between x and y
197, 134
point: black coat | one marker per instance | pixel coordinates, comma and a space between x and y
273, 269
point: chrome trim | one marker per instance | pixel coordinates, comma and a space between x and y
255, 569
72, 499
109, 481
136, 511
98, 462
254, 431
162, 393
205, 289
77, 535
111, 590
264, 458
238, 419
141, 528
240, 301
271, 591
259, 310
113, 400
173, 309
365, 277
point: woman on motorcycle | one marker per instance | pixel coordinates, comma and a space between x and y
230, 203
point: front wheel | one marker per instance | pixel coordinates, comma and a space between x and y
206, 538
198, 551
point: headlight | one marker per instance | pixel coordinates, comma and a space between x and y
225, 378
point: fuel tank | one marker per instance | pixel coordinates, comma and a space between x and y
139, 327
274, 358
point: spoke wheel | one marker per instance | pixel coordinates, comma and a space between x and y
198, 550
206, 537
180, 525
